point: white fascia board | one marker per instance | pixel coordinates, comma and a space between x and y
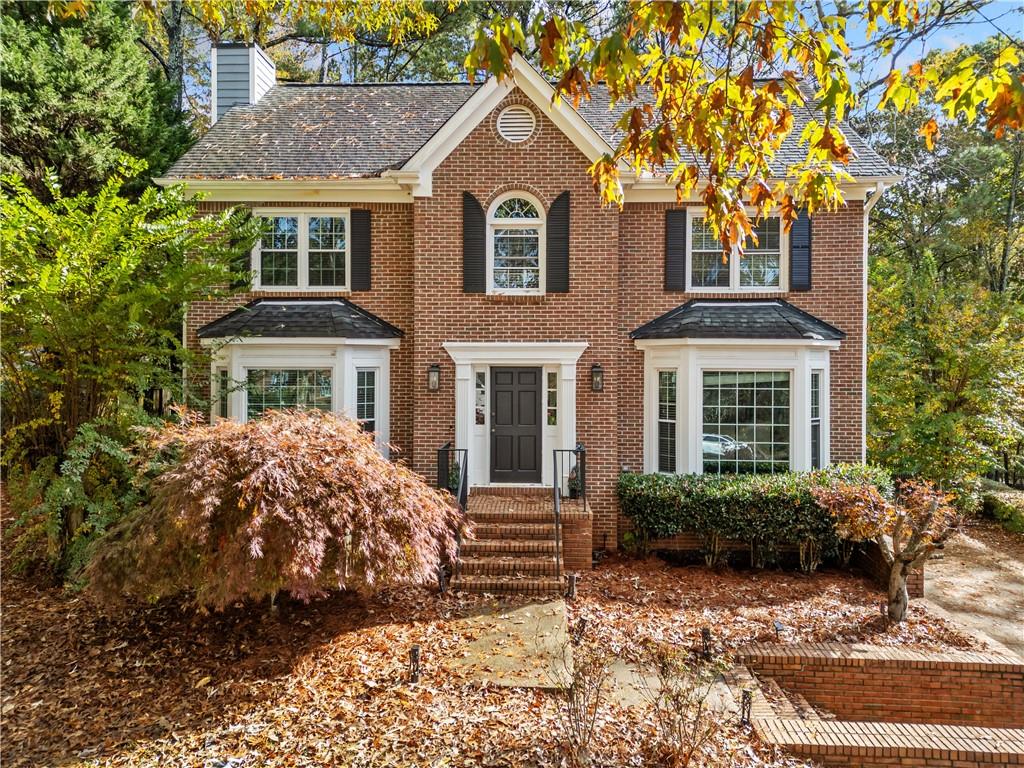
662, 190
299, 341
514, 352
733, 343
355, 190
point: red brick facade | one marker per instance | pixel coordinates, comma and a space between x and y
616, 285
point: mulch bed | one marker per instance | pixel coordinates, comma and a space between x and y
324, 683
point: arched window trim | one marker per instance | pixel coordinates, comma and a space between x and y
494, 224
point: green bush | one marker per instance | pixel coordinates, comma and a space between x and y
1006, 507
765, 511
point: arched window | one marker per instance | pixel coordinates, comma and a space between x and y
515, 244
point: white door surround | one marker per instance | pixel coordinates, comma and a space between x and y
471, 357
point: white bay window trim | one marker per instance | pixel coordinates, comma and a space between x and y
690, 358
303, 215
343, 357
697, 212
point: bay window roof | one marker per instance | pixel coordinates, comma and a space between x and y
299, 318
738, 319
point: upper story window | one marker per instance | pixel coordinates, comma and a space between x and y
299, 250
515, 245
759, 267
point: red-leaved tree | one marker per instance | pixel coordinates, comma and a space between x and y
907, 531
298, 501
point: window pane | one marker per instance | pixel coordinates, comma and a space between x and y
752, 437
816, 379
222, 393
366, 398
481, 397
666, 421
709, 265
552, 398
517, 258
760, 264
273, 389
279, 251
516, 208
327, 250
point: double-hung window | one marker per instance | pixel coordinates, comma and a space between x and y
515, 245
366, 398
303, 250
758, 266
667, 421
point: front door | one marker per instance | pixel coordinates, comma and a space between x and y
515, 425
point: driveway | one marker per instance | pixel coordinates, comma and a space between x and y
979, 582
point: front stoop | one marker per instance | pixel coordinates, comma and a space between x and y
513, 549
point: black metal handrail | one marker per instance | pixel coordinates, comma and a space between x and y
569, 487
453, 476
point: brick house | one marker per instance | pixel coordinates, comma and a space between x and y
438, 265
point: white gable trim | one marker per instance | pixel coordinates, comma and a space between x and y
418, 171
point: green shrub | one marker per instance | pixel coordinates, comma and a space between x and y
1005, 507
767, 512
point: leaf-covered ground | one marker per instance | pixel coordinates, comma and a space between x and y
324, 683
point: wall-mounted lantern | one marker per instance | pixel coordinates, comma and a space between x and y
596, 377
434, 377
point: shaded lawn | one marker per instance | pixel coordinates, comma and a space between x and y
324, 683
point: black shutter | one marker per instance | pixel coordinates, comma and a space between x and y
474, 246
558, 245
361, 237
800, 253
675, 250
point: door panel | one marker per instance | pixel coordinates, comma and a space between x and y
515, 425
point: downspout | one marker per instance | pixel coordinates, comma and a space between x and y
869, 203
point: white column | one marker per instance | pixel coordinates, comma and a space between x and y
463, 404
799, 429
690, 411
566, 413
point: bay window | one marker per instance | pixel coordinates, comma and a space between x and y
746, 422
276, 388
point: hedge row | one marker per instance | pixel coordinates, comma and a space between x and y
766, 511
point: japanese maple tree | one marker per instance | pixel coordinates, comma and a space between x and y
297, 501
906, 531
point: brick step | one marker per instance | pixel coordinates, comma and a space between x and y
517, 530
517, 491
506, 517
804, 709
508, 547
508, 585
497, 565
778, 699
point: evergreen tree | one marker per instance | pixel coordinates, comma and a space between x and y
77, 93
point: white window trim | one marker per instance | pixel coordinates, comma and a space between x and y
696, 212
303, 215
538, 224
691, 360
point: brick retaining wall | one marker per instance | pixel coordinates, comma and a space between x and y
873, 683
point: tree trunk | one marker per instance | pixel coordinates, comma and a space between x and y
899, 599
1003, 277
175, 31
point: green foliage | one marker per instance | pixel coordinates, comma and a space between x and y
766, 511
1005, 506
945, 374
77, 94
93, 288
58, 515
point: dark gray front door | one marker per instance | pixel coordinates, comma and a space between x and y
515, 425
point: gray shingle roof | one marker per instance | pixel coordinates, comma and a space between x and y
322, 131
301, 131
737, 319
294, 318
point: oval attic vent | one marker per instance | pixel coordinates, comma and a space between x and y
516, 123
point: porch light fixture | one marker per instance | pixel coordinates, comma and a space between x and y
596, 377
434, 377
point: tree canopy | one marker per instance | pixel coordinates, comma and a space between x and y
77, 93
